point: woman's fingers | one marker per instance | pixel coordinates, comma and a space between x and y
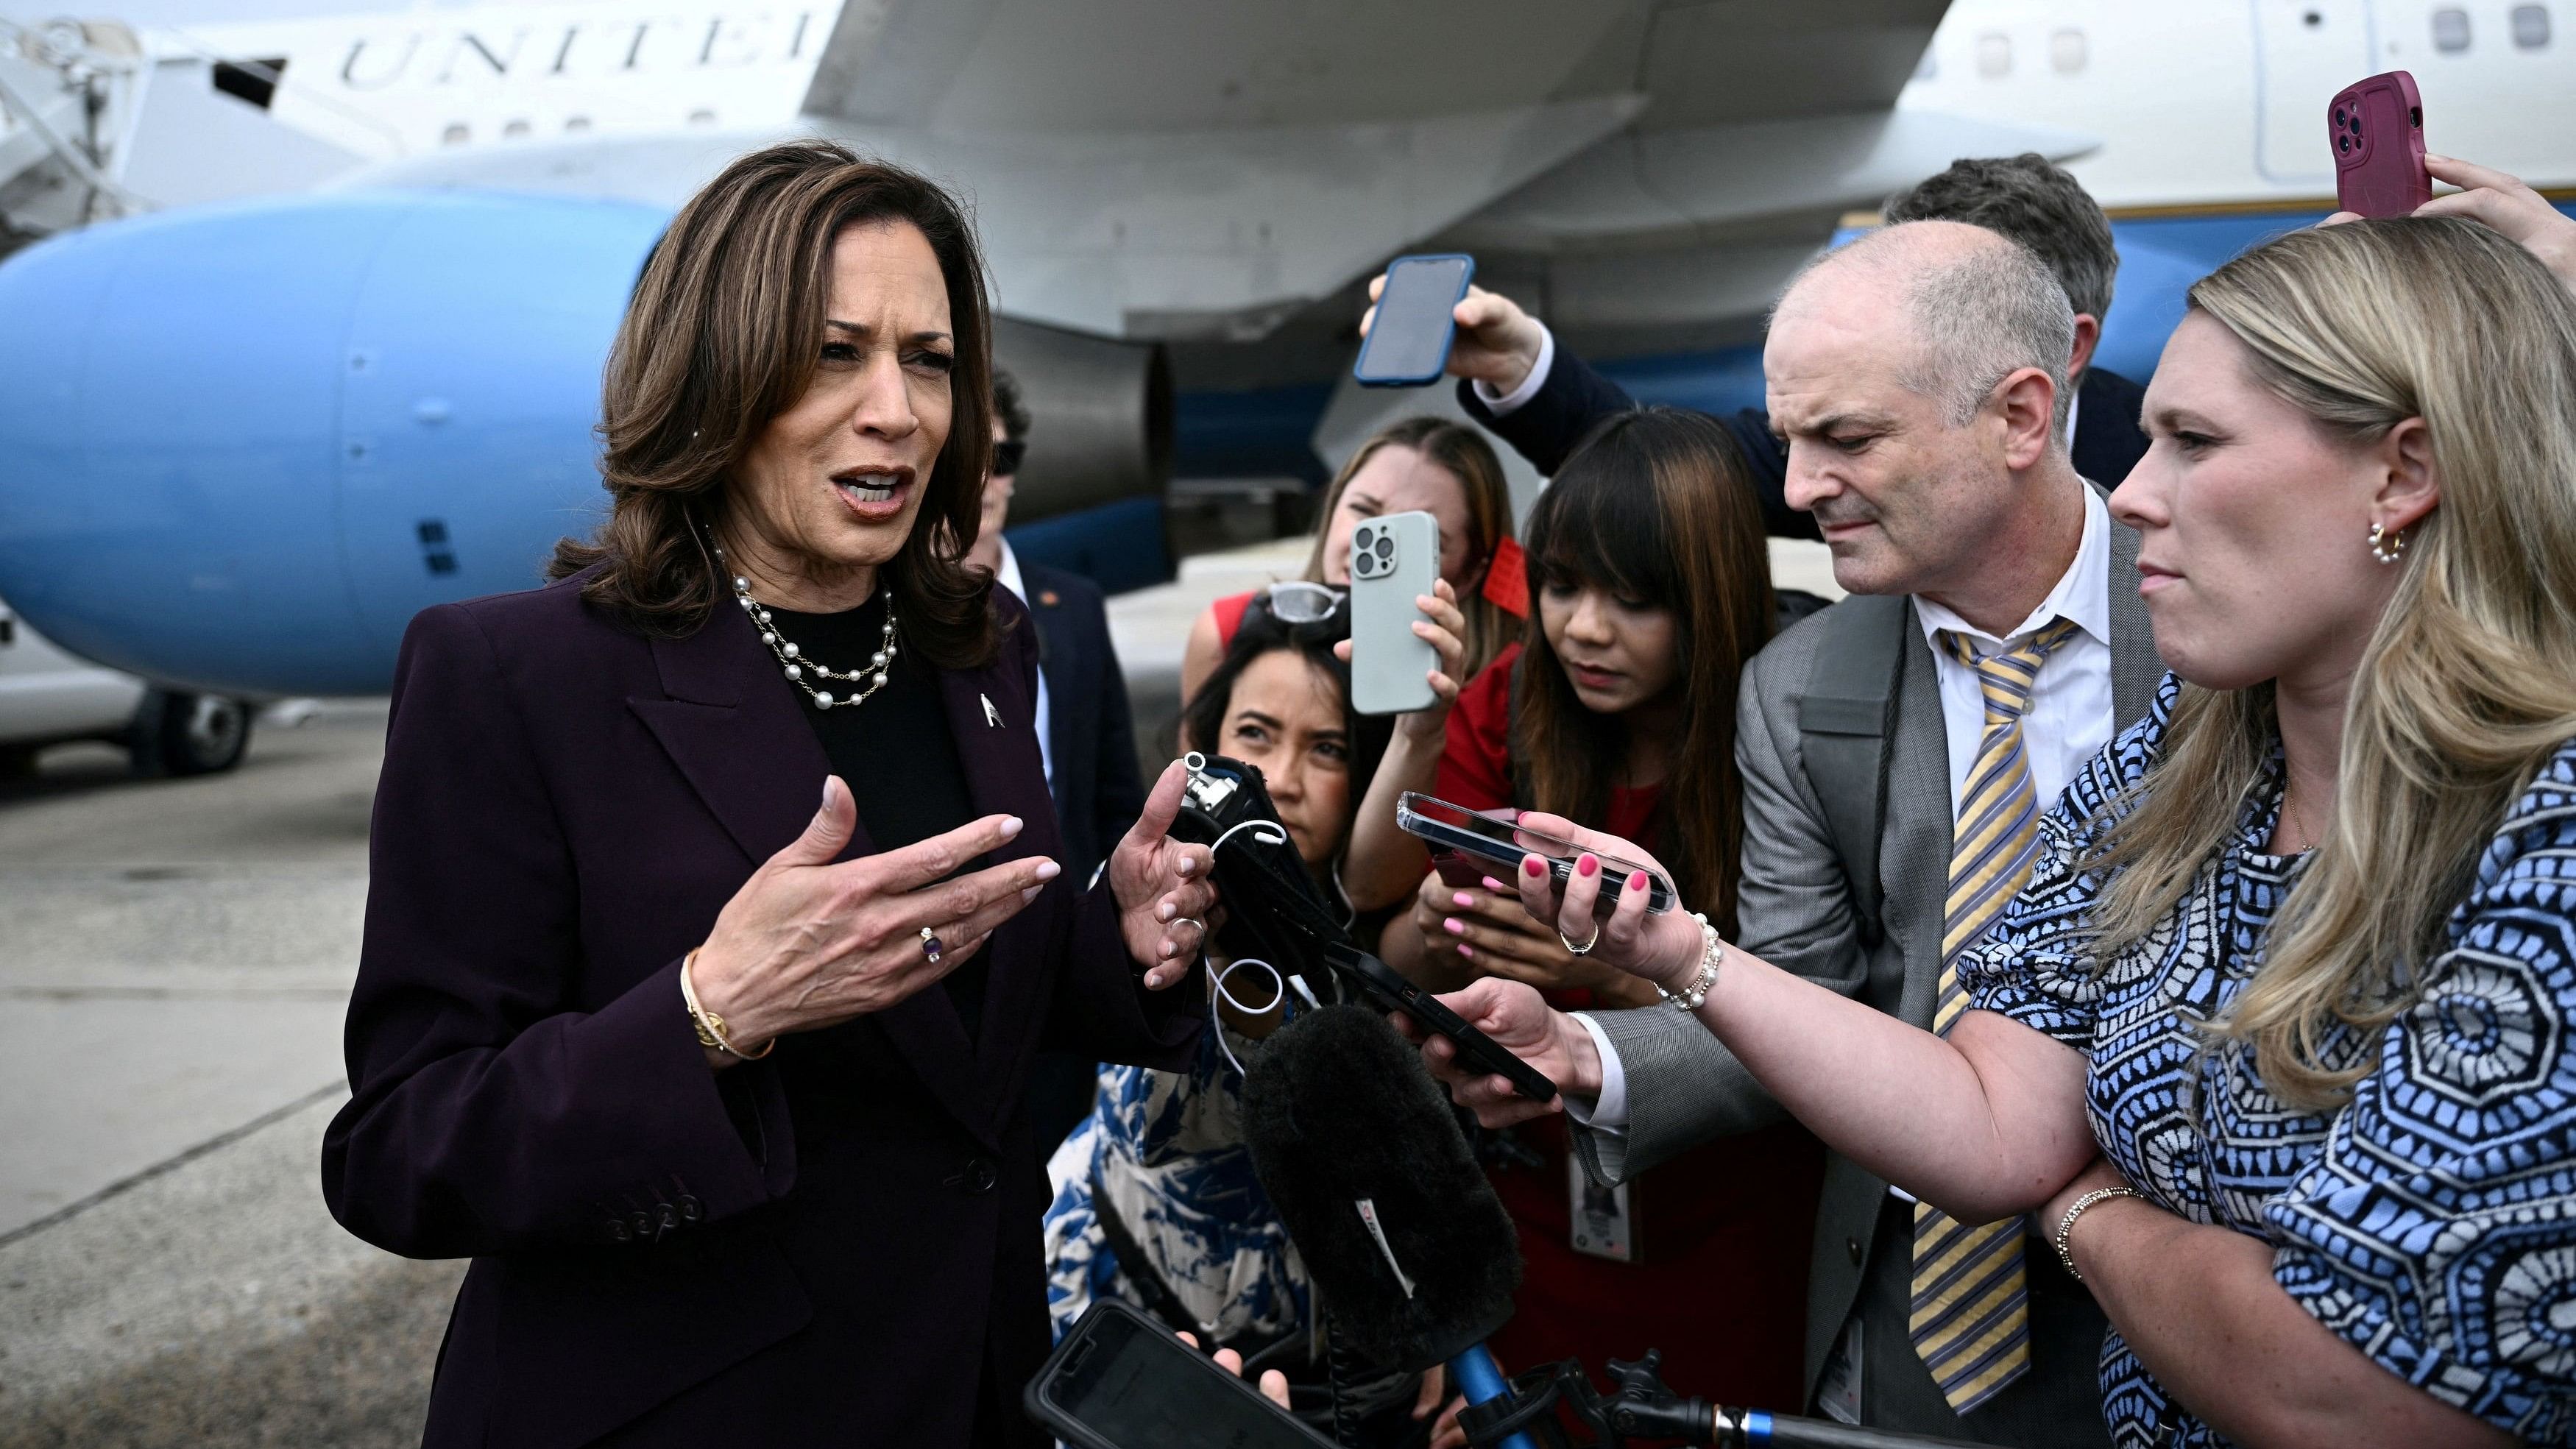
995, 893
1427, 1398
894, 872
2469, 175
1621, 933
1574, 919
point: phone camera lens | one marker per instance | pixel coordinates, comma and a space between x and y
2343, 143
2338, 115
1385, 546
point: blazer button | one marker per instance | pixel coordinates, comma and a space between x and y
1852, 1246
640, 1223
692, 1210
617, 1232
665, 1218
981, 1174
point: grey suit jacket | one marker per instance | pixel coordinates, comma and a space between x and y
1794, 905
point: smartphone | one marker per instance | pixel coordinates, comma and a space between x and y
1383, 985
1395, 558
2377, 129
1408, 344
1120, 1380
1444, 826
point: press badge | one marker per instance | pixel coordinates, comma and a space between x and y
1838, 1387
1604, 1226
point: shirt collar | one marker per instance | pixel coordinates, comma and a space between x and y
1008, 575
2083, 592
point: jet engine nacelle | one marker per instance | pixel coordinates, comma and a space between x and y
241, 445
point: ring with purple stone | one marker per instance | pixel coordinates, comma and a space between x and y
930, 946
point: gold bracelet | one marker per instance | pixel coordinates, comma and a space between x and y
711, 1027
2074, 1210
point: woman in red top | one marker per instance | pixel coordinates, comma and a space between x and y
1651, 587
1442, 468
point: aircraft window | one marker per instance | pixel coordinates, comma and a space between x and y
2450, 30
2314, 19
1994, 54
457, 134
702, 118
576, 124
2066, 51
2530, 27
515, 129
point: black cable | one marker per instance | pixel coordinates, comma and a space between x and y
1339, 1368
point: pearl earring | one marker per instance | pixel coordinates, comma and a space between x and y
2386, 546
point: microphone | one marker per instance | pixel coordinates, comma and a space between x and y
1411, 1253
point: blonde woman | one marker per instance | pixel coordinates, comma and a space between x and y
1443, 468
2274, 1044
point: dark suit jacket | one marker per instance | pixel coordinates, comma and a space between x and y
1099, 789
836, 1243
1573, 397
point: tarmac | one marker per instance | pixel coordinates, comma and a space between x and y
175, 960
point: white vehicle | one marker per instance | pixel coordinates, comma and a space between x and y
48, 697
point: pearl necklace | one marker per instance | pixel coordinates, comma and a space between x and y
792, 660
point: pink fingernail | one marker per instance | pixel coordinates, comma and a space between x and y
1466, 950
1454, 926
1462, 900
1492, 884
1636, 880
1589, 865
1533, 867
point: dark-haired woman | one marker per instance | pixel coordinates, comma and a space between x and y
720, 1089
1651, 588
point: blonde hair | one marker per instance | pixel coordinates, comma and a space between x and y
2468, 683
1464, 452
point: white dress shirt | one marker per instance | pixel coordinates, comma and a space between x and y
2068, 722
1008, 576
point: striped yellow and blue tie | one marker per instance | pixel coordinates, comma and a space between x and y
1970, 1316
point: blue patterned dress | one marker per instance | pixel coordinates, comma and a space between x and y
1168, 1149
2431, 1221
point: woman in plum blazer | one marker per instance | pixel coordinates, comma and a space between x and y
714, 922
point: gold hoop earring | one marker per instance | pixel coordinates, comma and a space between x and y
2385, 546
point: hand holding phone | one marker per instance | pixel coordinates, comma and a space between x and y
1395, 559
1120, 1380
1408, 338
1444, 826
2376, 127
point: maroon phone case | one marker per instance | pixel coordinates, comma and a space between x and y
2376, 127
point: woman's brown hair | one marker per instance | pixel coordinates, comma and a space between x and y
1655, 506
721, 336
1464, 452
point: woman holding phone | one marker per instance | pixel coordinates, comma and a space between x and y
2273, 1045
1436, 466
1651, 587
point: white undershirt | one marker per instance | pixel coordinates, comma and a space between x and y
1008, 576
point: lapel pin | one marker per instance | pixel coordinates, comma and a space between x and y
1049, 597
992, 716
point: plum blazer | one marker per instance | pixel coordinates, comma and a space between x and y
837, 1243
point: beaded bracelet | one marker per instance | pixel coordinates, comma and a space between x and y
711, 1027
2074, 1210
1711, 952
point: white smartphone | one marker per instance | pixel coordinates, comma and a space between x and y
1395, 558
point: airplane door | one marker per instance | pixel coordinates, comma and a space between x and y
2304, 52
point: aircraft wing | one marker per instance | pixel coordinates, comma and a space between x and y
1174, 169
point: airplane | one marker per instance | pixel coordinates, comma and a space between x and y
242, 441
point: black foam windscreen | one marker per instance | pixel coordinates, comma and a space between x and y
1339, 1110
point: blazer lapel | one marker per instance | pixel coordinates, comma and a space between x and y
2135, 667
736, 733
1914, 854
990, 715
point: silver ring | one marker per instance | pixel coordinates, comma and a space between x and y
930, 946
1178, 921
1586, 948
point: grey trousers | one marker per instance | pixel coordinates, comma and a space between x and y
2057, 1405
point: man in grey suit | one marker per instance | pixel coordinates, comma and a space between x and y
1919, 376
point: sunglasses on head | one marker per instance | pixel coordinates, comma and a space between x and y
1007, 455
1299, 602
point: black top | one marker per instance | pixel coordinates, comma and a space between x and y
894, 751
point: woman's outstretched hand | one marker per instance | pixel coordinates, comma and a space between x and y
1162, 887
1663, 949
2503, 202
1444, 627
810, 942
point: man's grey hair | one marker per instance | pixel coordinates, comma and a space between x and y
1979, 314
2033, 202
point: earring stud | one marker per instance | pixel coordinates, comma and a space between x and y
2385, 546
